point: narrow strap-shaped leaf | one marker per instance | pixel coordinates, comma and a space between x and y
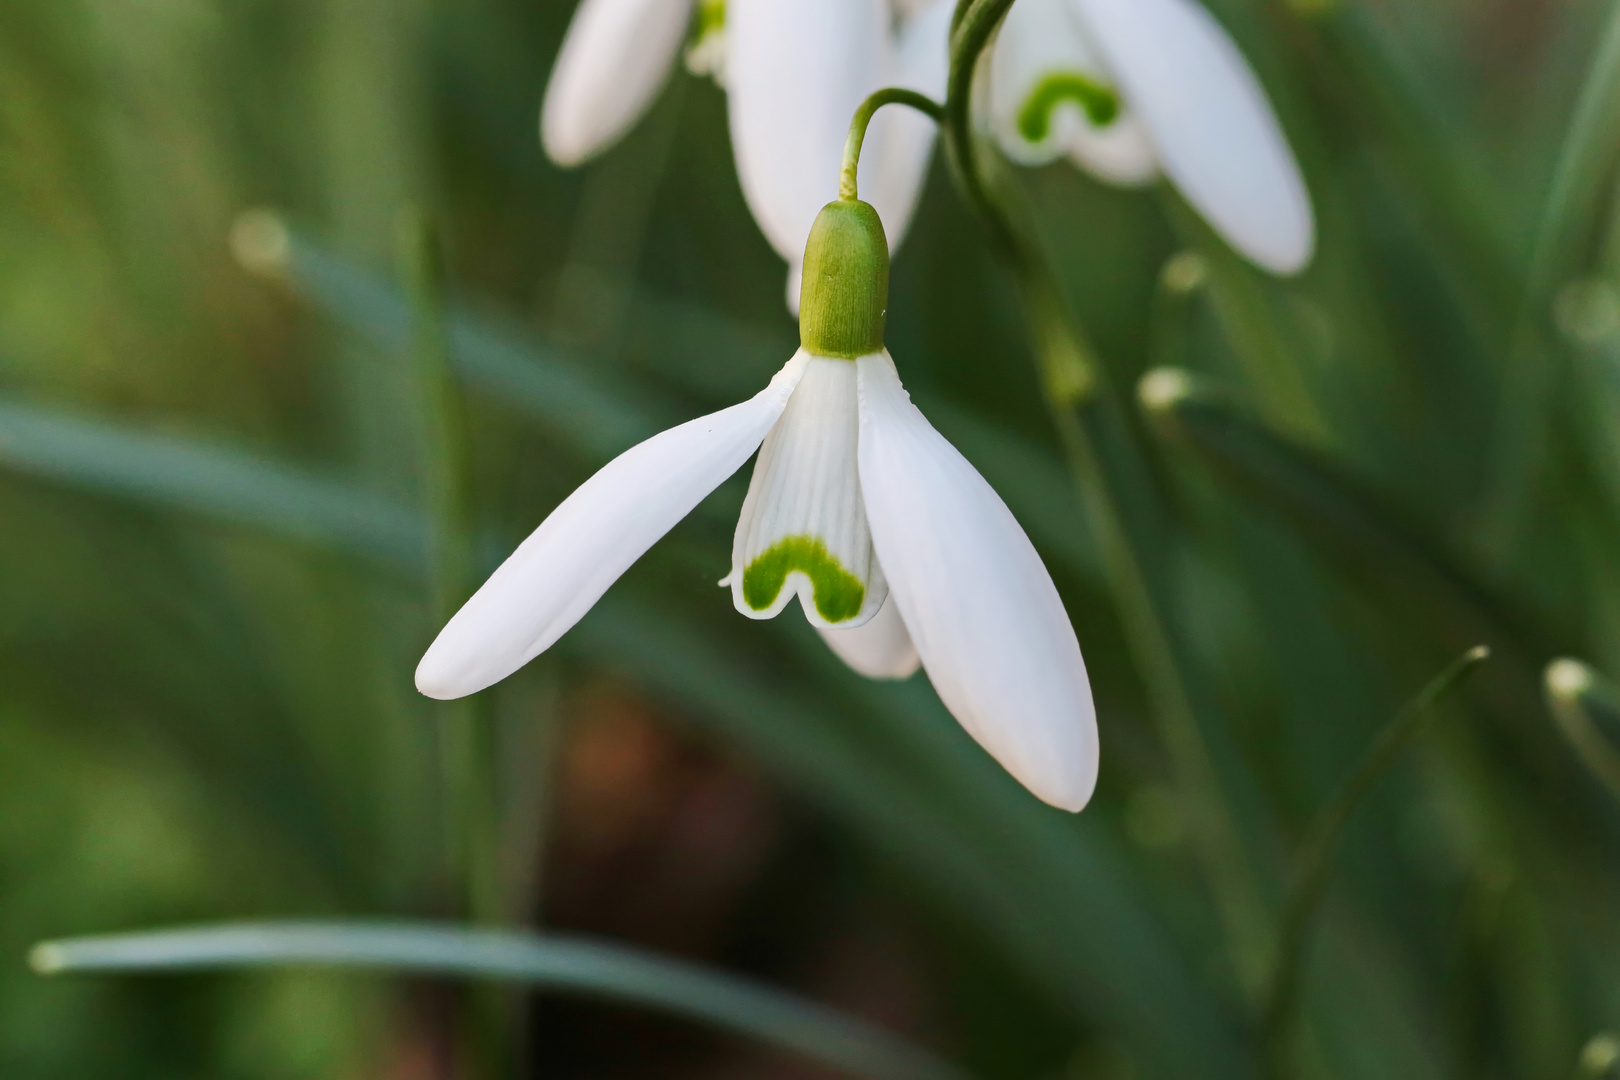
231, 485
553, 962
1320, 497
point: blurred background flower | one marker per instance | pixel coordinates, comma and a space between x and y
221, 526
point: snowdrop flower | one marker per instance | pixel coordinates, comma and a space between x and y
1129, 88
898, 550
794, 73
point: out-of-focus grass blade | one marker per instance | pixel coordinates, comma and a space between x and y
1587, 709
568, 964
230, 485
1339, 511
601, 420
1591, 143
1455, 195
1581, 183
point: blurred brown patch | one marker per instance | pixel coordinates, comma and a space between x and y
661, 842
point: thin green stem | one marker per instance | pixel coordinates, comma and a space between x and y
1088, 420
1313, 864
891, 95
974, 22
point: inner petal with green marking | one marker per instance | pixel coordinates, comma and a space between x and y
838, 594
1099, 101
803, 528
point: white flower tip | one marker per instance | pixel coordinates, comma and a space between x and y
47, 959
438, 678
1290, 250
260, 242
879, 649
1060, 773
1162, 389
565, 142
1069, 791
1568, 679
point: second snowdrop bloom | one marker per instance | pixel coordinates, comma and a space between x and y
897, 550
1128, 89
794, 71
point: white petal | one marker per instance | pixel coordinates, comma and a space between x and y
880, 649
1041, 39
900, 140
977, 601
910, 9
614, 59
1210, 122
796, 71
1119, 153
803, 526
564, 567
795, 283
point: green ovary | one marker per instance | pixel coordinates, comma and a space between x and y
839, 593
1100, 102
711, 18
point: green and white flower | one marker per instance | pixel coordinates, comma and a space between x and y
898, 550
794, 73
1128, 89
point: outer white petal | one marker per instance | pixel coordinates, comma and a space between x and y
1041, 38
900, 141
880, 649
802, 531
977, 601
614, 59
795, 282
564, 567
1211, 123
796, 70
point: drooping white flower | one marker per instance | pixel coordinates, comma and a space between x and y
1130, 88
897, 549
794, 71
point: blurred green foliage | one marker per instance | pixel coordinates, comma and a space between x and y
215, 546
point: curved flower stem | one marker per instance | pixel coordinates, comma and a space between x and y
890, 95
1115, 487
1313, 865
